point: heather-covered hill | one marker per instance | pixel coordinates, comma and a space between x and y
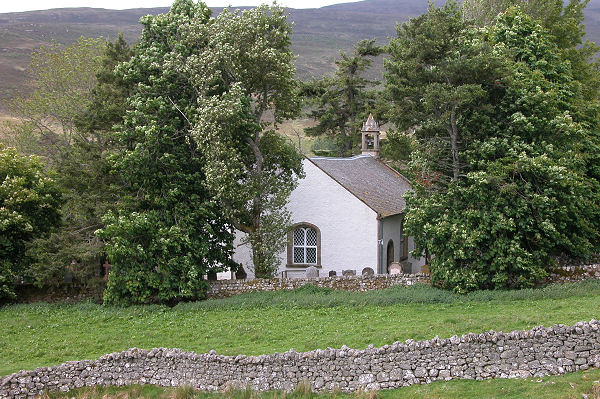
319, 34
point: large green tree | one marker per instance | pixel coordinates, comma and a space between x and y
564, 21
247, 73
345, 100
30, 203
437, 74
169, 231
526, 191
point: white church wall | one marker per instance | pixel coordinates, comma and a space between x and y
392, 230
417, 263
348, 226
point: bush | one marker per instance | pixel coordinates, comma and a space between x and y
154, 260
29, 207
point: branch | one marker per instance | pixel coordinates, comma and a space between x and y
260, 160
182, 114
235, 221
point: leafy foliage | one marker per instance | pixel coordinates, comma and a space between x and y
247, 69
523, 192
83, 172
437, 73
345, 100
168, 232
29, 207
60, 82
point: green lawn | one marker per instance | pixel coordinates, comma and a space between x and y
47, 334
574, 385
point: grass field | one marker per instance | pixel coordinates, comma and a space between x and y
47, 334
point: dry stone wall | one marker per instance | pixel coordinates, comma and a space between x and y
566, 274
227, 288
537, 352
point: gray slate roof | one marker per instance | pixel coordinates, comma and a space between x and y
370, 180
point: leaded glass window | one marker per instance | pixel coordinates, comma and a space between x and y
305, 246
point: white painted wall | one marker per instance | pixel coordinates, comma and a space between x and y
348, 226
417, 263
392, 230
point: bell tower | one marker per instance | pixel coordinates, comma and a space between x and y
370, 137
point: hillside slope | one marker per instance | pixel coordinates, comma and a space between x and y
319, 34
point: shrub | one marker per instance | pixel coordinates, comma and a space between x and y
29, 207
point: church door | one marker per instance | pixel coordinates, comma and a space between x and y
390, 254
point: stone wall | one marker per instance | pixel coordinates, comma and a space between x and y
227, 288
566, 274
537, 352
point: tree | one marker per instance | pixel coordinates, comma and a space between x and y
29, 207
526, 192
60, 82
564, 21
108, 101
83, 172
344, 100
247, 70
168, 232
438, 73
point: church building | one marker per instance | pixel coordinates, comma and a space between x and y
347, 215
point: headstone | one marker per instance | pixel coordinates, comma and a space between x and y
406, 267
348, 272
367, 271
332, 273
312, 272
395, 268
240, 274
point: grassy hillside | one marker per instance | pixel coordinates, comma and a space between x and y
319, 34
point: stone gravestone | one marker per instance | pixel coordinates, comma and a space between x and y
332, 273
240, 274
406, 267
395, 268
312, 272
367, 271
348, 272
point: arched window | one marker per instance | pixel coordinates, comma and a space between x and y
304, 246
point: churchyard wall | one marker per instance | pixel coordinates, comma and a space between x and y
227, 288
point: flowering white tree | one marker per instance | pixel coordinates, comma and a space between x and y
245, 71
